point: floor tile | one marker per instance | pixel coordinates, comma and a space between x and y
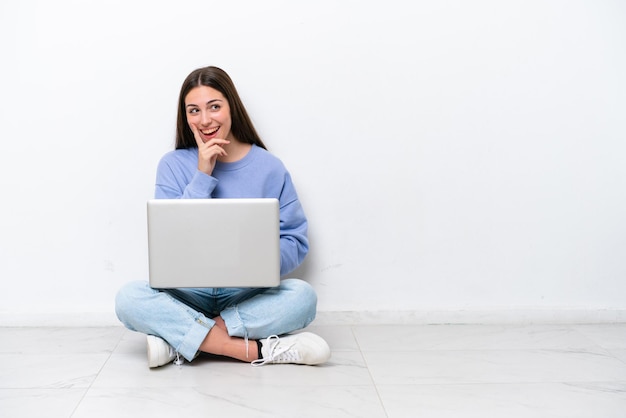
494, 366
469, 337
619, 353
606, 335
29, 371
37, 403
131, 370
244, 400
547, 400
339, 338
55, 341
375, 371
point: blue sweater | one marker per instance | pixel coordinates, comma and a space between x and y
258, 174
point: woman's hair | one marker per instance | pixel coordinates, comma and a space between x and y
241, 125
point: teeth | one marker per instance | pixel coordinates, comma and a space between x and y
212, 131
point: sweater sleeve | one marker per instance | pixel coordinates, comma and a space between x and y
171, 183
294, 243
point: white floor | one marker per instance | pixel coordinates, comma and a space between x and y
375, 371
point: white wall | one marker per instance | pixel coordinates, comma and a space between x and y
452, 156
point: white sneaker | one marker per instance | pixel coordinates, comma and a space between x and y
160, 352
303, 348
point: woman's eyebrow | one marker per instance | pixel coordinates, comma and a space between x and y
208, 103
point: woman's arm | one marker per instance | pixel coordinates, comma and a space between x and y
174, 180
294, 242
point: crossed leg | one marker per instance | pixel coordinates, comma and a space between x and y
219, 342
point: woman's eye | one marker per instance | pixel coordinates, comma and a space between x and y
191, 111
215, 107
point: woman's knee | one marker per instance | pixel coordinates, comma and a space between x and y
305, 297
301, 288
129, 297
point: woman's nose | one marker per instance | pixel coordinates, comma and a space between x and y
206, 119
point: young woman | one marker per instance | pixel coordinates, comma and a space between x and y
220, 155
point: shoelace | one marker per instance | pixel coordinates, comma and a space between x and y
277, 354
179, 360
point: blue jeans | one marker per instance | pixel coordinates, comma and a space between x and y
182, 317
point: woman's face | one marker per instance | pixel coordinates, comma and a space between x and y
208, 110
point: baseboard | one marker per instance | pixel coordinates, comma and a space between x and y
493, 316
58, 319
327, 318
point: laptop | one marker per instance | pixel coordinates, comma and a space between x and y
213, 243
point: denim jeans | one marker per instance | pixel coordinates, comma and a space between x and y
182, 317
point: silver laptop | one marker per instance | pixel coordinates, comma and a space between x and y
213, 243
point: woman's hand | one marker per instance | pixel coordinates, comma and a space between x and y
209, 151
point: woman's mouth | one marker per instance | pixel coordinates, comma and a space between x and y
209, 133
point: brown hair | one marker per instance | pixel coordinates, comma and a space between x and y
241, 125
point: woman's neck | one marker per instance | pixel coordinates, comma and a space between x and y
236, 151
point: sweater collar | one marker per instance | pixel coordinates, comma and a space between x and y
236, 165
